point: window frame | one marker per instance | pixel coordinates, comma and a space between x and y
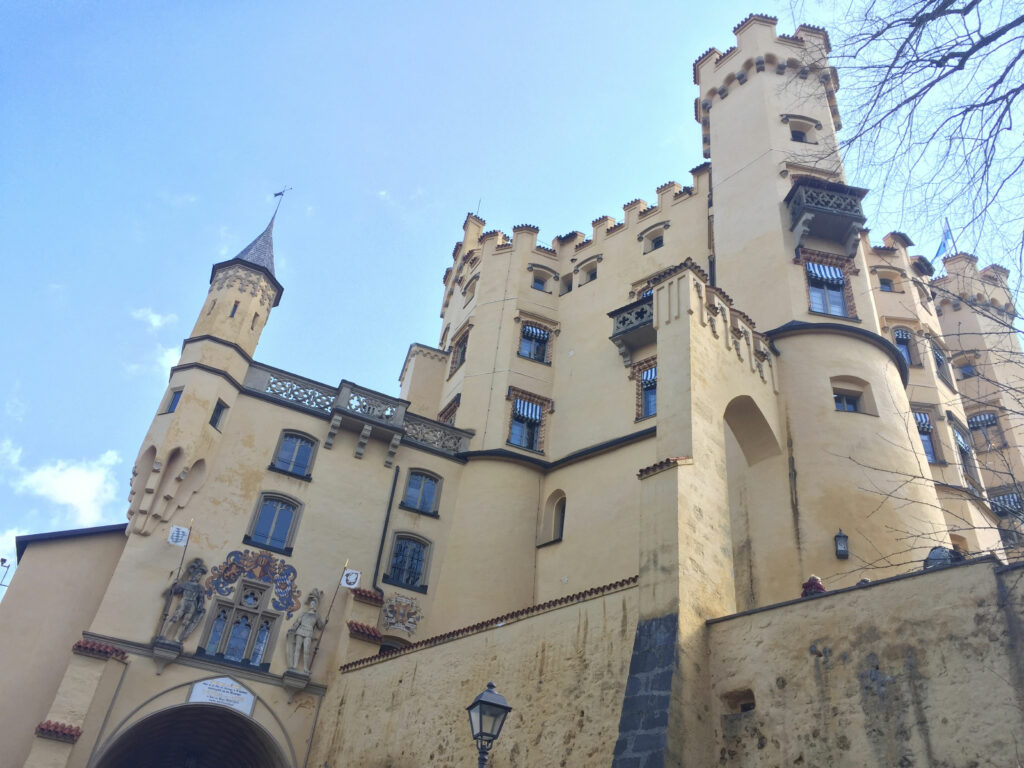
314, 446
925, 422
964, 444
218, 415
846, 399
641, 375
430, 510
233, 607
459, 351
532, 429
987, 430
293, 526
820, 270
941, 358
389, 578
533, 344
904, 340
174, 400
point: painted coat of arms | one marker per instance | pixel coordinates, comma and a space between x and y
400, 612
261, 566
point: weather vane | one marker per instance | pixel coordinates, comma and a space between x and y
281, 193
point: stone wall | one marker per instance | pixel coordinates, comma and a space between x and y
919, 670
563, 672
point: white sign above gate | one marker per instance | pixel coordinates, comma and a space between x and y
223, 691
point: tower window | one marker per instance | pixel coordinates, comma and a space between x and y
903, 338
217, 417
255, 317
533, 343
421, 493
826, 288
885, 285
924, 429
966, 454
172, 404
274, 524
526, 423
234, 309
846, 402
459, 349
409, 563
646, 375
941, 365
540, 283
294, 454
985, 431
800, 136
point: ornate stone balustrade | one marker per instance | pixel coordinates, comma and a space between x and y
826, 210
633, 327
434, 434
290, 388
366, 404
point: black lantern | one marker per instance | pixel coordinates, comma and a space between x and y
486, 716
842, 545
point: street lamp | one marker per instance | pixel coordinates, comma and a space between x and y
486, 716
842, 545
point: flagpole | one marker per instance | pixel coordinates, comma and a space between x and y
169, 594
185, 549
327, 618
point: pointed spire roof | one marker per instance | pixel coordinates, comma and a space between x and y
261, 250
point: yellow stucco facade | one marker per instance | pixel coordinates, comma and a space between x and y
603, 489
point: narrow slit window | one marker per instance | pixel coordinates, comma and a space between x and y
234, 309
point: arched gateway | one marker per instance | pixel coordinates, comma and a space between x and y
193, 736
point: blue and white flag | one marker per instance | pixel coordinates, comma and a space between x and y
947, 247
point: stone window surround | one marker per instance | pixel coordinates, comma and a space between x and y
550, 274
233, 607
935, 415
547, 407
447, 414
428, 547
844, 263
292, 529
459, 338
635, 372
312, 455
551, 326
585, 266
435, 503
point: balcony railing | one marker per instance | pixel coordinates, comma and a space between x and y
362, 407
827, 210
633, 327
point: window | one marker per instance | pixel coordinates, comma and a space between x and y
591, 274
459, 347
800, 136
566, 285
241, 630
447, 414
172, 404
941, 365
217, 417
540, 283
885, 285
274, 524
294, 454
469, 292
924, 428
551, 521
408, 567
966, 454
648, 392
985, 431
533, 343
654, 237
966, 371
903, 338
826, 288
421, 493
234, 309
846, 402
526, 427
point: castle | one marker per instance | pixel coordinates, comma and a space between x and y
602, 490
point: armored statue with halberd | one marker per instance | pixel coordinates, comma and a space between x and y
300, 635
191, 606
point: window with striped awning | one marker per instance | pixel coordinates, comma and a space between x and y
961, 441
1008, 502
832, 276
647, 293
902, 334
535, 333
527, 411
649, 378
979, 420
924, 421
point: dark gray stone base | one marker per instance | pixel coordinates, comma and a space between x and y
643, 724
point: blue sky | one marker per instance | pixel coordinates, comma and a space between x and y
142, 142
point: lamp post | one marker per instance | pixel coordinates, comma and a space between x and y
842, 545
486, 716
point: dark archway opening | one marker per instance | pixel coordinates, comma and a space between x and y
194, 736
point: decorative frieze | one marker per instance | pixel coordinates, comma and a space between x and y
50, 729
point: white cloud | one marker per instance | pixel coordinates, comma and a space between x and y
10, 455
383, 194
167, 358
82, 488
7, 548
154, 319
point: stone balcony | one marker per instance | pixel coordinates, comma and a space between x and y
633, 327
354, 408
826, 210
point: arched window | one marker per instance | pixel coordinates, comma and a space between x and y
551, 524
409, 564
274, 523
422, 492
294, 454
241, 629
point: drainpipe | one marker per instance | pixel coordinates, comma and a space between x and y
384, 533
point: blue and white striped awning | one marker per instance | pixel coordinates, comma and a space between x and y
826, 274
1007, 502
902, 334
979, 420
649, 377
961, 440
533, 332
647, 294
924, 421
527, 411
